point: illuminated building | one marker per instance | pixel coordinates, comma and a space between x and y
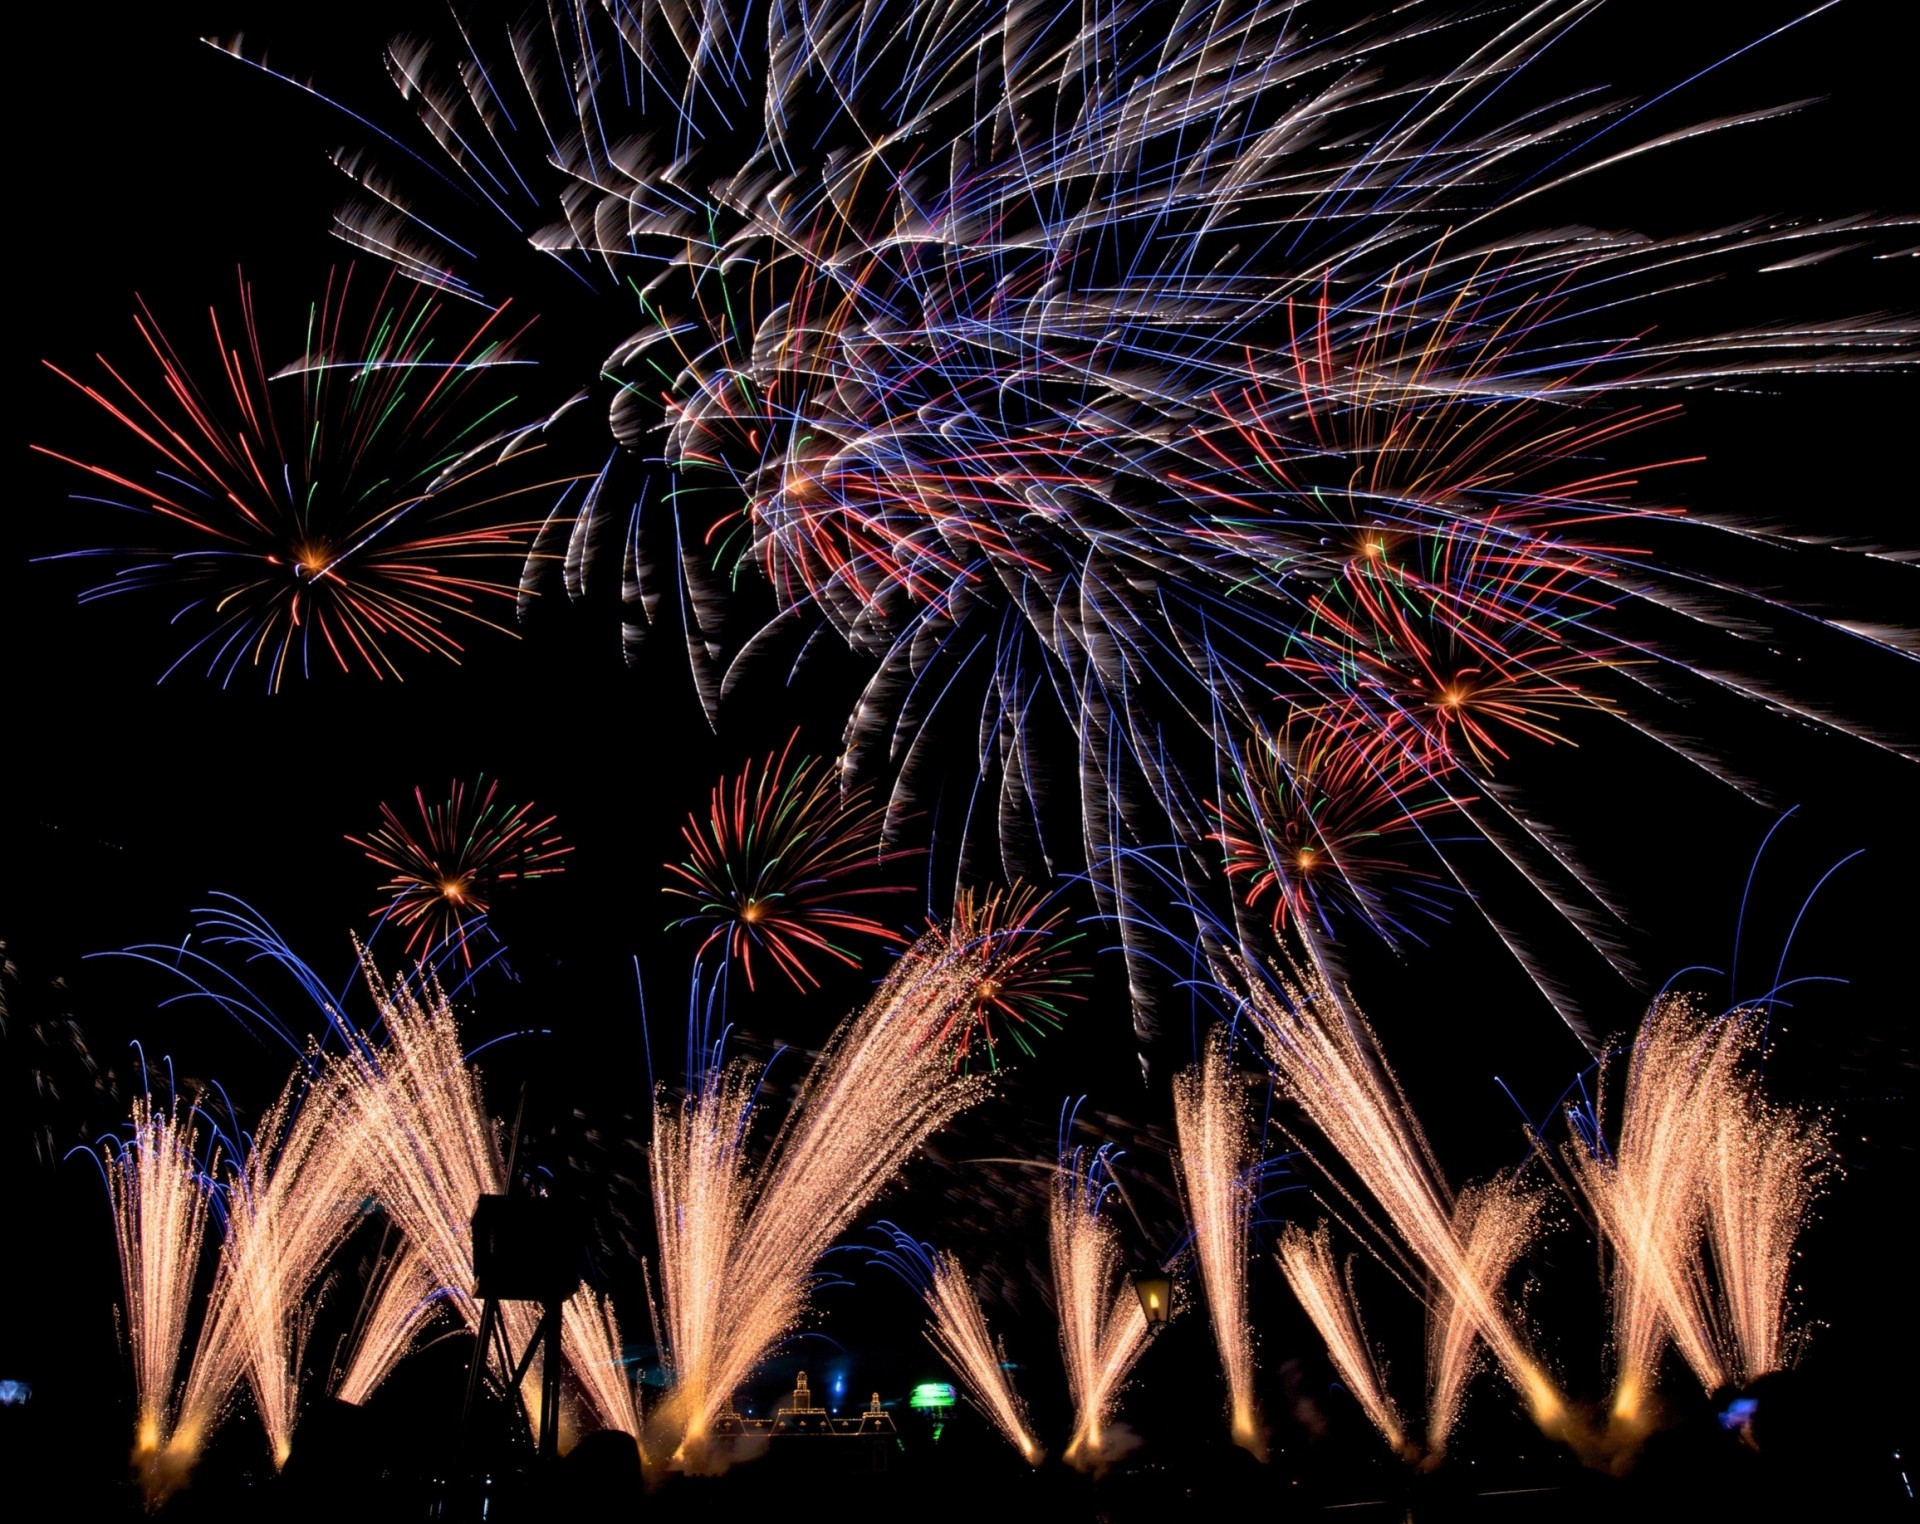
872, 1434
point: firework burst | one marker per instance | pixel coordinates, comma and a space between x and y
393, 1117
701, 1198
1335, 445
594, 1351
770, 868
412, 1104
290, 1205
1494, 1224
1026, 981
348, 507
1647, 1193
1308, 832
402, 1303
447, 870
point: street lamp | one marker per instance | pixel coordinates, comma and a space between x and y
1155, 1290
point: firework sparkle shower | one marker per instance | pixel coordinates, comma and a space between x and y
961, 756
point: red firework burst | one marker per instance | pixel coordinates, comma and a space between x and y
447, 868
1028, 974
773, 866
349, 508
1310, 825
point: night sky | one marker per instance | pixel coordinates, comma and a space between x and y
146, 163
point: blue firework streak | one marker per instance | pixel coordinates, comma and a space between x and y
1192, 382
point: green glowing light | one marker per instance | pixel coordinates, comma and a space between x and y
931, 1394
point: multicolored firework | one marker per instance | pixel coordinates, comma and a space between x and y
1026, 981
1103, 1330
1327, 1061
446, 871
1325, 1294
1333, 452
1308, 829
738, 1247
1215, 1172
347, 505
770, 867
1185, 417
959, 1332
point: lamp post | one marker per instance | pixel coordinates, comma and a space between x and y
1154, 1287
